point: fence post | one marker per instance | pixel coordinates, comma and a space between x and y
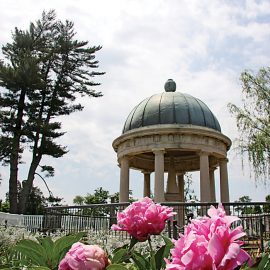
169, 229
261, 234
175, 234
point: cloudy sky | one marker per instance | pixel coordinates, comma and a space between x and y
203, 45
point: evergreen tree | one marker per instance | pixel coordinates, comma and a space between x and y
253, 120
45, 69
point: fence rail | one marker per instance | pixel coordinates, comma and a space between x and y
254, 217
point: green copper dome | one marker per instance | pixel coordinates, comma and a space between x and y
171, 108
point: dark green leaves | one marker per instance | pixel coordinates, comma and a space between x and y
116, 267
153, 260
46, 253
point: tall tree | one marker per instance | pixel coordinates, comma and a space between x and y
45, 69
36, 202
253, 120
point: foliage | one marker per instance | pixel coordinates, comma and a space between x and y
8, 238
266, 208
45, 252
100, 196
4, 206
253, 120
115, 197
246, 209
36, 202
127, 257
262, 263
189, 193
78, 200
45, 69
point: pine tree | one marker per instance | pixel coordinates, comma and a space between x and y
44, 71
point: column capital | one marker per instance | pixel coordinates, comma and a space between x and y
146, 172
128, 158
212, 168
223, 160
203, 153
158, 150
180, 173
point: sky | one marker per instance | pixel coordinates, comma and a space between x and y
202, 45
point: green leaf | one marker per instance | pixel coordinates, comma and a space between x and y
264, 263
116, 267
159, 257
153, 263
32, 250
119, 256
62, 245
140, 261
163, 252
133, 242
38, 268
167, 240
123, 247
48, 244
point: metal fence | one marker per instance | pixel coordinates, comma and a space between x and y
254, 217
93, 217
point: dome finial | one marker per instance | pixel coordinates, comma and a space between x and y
170, 85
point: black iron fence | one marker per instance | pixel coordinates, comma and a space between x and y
94, 217
254, 217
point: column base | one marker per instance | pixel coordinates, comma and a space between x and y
172, 197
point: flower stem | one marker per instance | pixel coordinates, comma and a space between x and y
150, 245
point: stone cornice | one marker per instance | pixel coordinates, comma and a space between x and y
156, 131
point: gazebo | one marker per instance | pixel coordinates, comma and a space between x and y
175, 133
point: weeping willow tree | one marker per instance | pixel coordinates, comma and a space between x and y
253, 121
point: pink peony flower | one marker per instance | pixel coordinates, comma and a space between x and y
209, 243
84, 257
143, 218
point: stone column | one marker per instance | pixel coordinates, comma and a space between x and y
171, 183
224, 184
159, 175
204, 178
181, 186
146, 185
181, 210
124, 180
212, 184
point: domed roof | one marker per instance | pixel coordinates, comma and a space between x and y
171, 108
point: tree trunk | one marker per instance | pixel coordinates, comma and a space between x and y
14, 156
13, 181
27, 185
